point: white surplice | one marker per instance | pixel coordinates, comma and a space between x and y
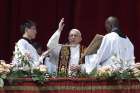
26, 48
112, 46
53, 44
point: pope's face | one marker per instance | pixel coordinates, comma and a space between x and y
74, 37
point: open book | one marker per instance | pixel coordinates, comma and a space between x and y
94, 45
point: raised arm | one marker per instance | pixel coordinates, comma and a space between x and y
54, 40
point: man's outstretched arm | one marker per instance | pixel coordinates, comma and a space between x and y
54, 40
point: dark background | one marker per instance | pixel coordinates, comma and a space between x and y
86, 15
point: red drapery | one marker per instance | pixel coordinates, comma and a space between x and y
86, 15
69, 85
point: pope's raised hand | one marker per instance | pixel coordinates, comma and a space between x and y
61, 24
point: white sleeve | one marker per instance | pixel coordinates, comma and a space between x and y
52, 44
89, 63
105, 50
22, 46
103, 53
54, 40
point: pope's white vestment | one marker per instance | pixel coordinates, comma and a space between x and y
53, 44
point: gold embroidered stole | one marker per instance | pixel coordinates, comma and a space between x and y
64, 58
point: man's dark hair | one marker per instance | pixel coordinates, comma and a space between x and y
26, 24
114, 22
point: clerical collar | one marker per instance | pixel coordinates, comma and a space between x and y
28, 40
118, 31
75, 45
114, 29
